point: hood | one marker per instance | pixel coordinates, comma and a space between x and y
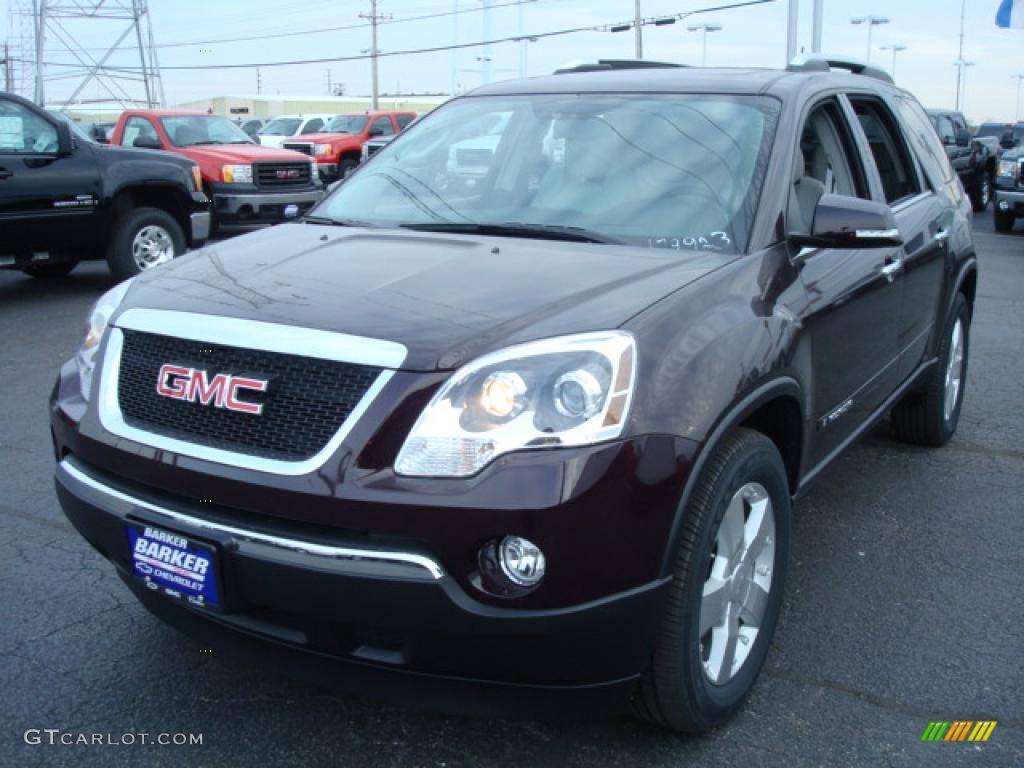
273, 141
326, 138
447, 298
243, 153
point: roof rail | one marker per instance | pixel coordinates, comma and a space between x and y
613, 64
820, 62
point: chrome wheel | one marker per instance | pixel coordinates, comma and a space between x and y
151, 246
735, 597
954, 369
986, 191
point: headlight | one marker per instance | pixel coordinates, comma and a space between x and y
1008, 168
95, 330
321, 149
572, 390
237, 174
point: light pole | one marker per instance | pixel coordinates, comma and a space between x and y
704, 29
1016, 111
961, 81
895, 48
871, 22
638, 26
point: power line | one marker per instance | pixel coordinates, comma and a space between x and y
655, 21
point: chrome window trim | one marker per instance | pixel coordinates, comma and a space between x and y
357, 562
246, 334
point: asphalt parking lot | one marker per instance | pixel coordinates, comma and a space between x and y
904, 604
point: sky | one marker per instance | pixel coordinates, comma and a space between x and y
753, 36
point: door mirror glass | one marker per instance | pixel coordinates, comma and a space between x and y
147, 142
64, 143
963, 138
849, 222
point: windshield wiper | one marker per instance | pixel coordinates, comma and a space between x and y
203, 143
337, 222
516, 229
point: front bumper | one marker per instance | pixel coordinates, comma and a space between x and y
200, 226
393, 609
328, 171
263, 207
1009, 200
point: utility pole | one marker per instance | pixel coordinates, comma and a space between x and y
8, 85
960, 70
374, 18
259, 82
638, 25
791, 30
816, 21
330, 91
39, 13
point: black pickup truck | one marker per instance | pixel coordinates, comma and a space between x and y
65, 198
973, 159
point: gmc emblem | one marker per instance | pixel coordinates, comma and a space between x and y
195, 385
287, 173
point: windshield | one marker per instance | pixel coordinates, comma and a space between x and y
282, 126
192, 130
347, 124
663, 171
991, 129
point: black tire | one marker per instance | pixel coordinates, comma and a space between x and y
674, 691
920, 418
1003, 220
119, 252
981, 191
346, 166
50, 271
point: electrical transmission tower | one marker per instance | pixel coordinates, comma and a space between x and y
52, 52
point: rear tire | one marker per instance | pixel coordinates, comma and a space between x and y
930, 416
50, 271
1003, 220
144, 238
694, 682
981, 191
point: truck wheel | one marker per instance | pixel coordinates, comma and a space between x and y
929, 417
346, 166
726, 589
49, 271
143, 239
1003, 221
981, 192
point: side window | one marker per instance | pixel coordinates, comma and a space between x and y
825, 162
944, 127
958, 124
404, 120
925, 142
252, 126
892, 157
136, 127
313, 126
382, 127
23, 131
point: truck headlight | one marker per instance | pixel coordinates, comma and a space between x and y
1008, 168
237, 174
95, 329
565, 391
321, 149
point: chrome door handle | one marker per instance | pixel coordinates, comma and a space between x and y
889, 270
942, 236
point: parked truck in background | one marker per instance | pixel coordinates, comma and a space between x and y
973, 159
338, 148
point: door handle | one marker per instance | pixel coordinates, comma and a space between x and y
942, 236
891, 268
5, 174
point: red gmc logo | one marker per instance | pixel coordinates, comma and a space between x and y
195, 385
287, 173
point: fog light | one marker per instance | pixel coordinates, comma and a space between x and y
521, 560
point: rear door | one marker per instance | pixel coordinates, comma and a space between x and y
925, 218
47, 202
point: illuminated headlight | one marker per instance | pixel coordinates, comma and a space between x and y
95, 329
321, 149
237, 174
1008, 168
566, 391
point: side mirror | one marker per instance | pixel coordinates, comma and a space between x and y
849, 222
1006, 141
374, 132
147, 142
64, 145
963, 138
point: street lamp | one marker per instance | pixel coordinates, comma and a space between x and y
704, 29
871, 22
895, 48
961, 82
1016, 112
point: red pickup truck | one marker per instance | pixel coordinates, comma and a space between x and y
247, 183
338, 149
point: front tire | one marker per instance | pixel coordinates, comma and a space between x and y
981, 191
1003, 220
930, 417
726, 590
143, 239
346, 167
49, 271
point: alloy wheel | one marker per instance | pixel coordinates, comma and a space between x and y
954, 369
151, 246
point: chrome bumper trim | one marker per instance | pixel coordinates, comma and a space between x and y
352, 561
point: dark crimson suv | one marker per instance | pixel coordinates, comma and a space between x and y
542, 431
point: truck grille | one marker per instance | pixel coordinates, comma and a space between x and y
279, 175
304, 147
306, 402
372, 149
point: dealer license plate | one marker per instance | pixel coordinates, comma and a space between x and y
175, 565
